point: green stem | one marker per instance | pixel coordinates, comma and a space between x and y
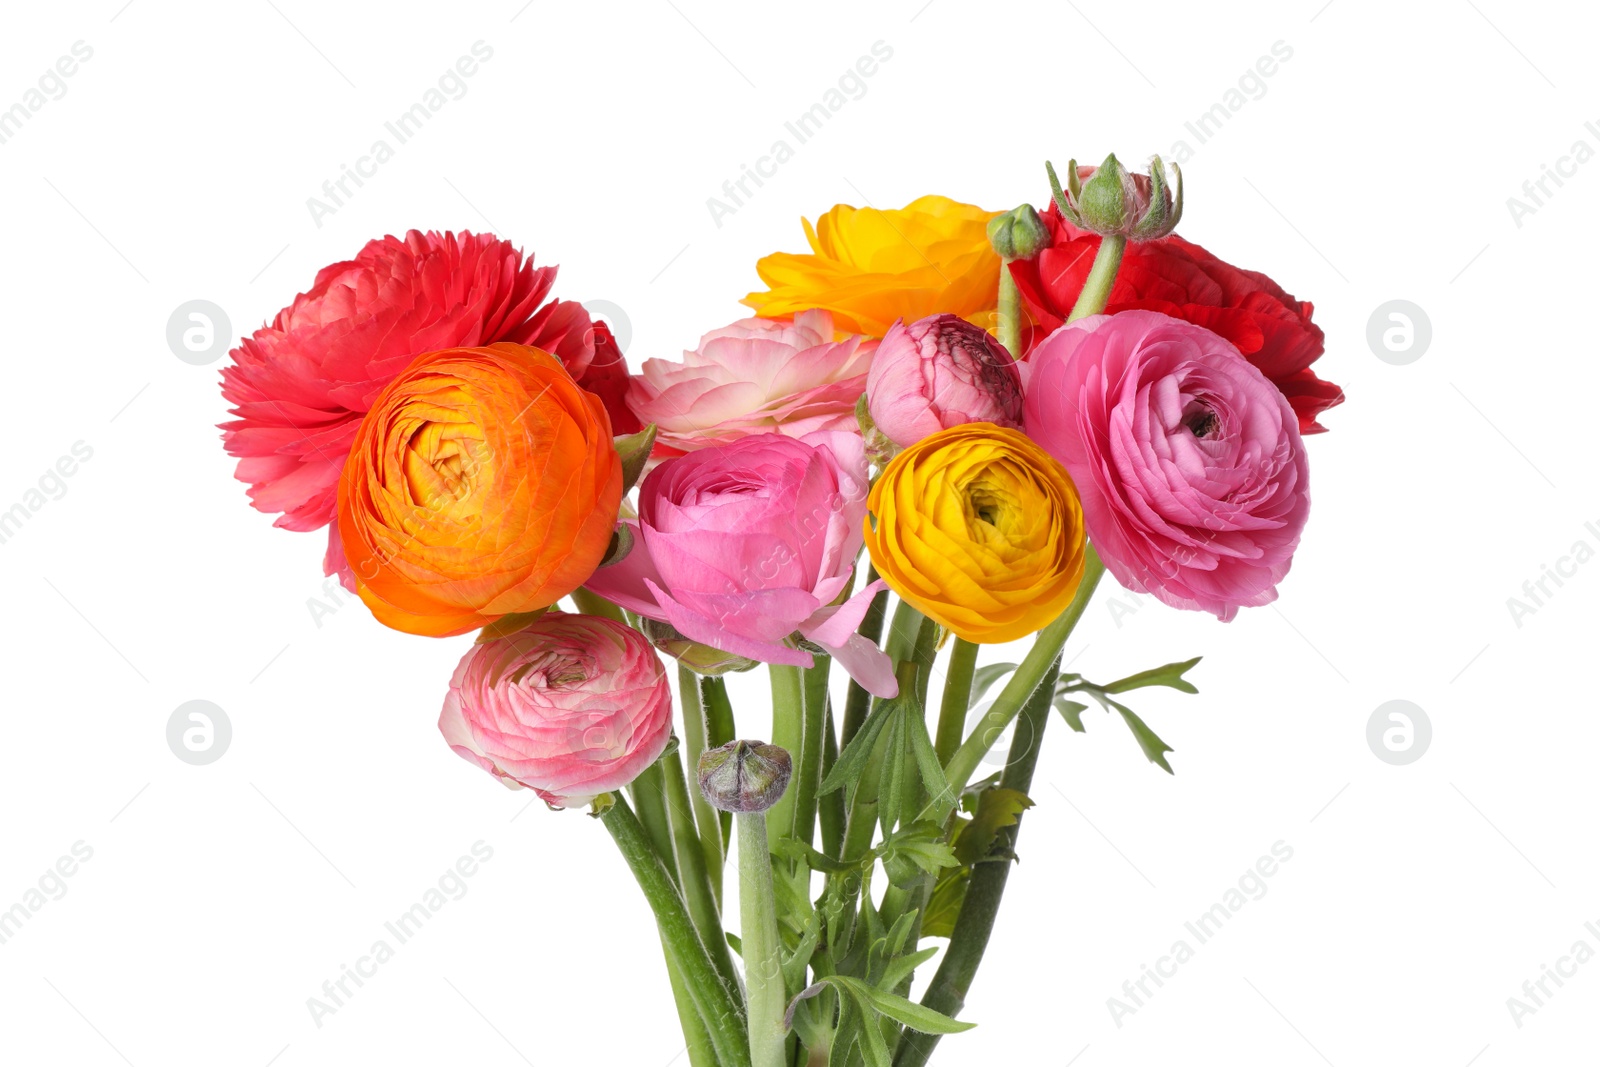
693, 875
957, 695
808, 775
718, 1006
947, 993
649, 792
830, 813
713, 845
695, 1034
788, 733
1027, 678
857, 700
1096, 289
758, 944
719, 731
595, 604
1010, 310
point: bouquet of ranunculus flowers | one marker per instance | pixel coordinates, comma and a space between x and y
998, 408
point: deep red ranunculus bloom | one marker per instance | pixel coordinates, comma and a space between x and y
1269, 327
300, 385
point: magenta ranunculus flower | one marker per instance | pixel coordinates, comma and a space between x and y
571, 706
300, 385
939, 372
755, 376
749, 546
1189, 461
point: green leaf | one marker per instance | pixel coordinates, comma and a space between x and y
853, 760
734, 942
1072, 711
507, 625
901, 1010
791, 849
900, 969
997, 808
892, 782
1155, 749
919, 847
944, 906
933, 779
634, 450
985, 677
1170, 675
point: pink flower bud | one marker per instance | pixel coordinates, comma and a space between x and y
940, 372
571, 706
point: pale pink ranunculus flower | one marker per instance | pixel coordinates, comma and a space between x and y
570, 706
1189, 461
939, 372
754, 376
300, 384
749, 546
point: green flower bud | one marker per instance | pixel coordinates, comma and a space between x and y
1019, 233
744, 777
702, 659
1111, 202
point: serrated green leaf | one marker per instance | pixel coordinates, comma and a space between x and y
1072, 711
997, 808
1155, 749
1169, 675
853, 760
985, 677
903, 1011
944, 906
933, 779
791, 849
901, 968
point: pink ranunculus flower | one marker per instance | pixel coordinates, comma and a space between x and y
939, 372
1189, 461
748, 545
300, 385
571, 706
755, 376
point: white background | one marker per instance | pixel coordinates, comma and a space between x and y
1376, 166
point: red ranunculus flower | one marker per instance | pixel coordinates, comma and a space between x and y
1272, 329
300, 385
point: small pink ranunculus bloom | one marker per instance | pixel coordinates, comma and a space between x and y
1189, 461
754, 376
749, 546
939, 372
571, 706
300, 385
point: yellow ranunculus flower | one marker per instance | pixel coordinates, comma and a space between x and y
870, 267
981, 530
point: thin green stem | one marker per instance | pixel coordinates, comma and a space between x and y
857, 700
808, 775
719, 731
1096, 289
649, 792
1010, 310
957, 695
947, 993
693, 876
695, 1034
1027, 678
788, 733
830, 809
759, 945
713, 845
719, 1008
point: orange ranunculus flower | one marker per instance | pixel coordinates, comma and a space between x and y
979, 529
483, 482
871, 267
